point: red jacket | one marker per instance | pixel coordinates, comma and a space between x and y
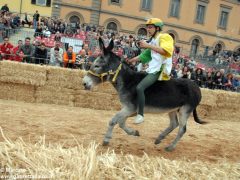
6, 49
16, 57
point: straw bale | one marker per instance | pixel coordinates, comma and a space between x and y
54, 161
209, 97
65, 78
22, 73
55, 95
220, 105
106, 87
97, 100
18, 92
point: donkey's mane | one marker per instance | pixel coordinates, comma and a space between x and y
129, 74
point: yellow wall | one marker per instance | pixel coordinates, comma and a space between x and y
14, 6
83, 14
79, 2
130, 17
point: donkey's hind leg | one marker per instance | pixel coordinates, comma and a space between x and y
173, 124
184, 114
118, 118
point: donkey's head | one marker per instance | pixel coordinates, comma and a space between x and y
103, 68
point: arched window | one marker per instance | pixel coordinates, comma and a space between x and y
142, 32
74, 20
218, 48
112, 26
194, 47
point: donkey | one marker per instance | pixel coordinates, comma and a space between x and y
178, 97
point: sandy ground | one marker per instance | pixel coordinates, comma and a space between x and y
213, 142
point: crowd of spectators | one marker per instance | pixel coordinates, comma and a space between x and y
37, 50
8, 21
211, 78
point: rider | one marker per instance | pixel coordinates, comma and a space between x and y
158, 54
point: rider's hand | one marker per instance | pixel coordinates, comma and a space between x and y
133, 60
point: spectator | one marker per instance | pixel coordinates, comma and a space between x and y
58, 36
69, 58
82, 60
35, 19
93, 41
105, 40
46, 32
184, 73
236, 82
5, 8
173, 72
56, 58
57, 45
198, 77
41, 54
16, 57
26, 20
5, 49
209, 80
86, 48
218, 80
38, 31
15, 21
28, 51
228, 82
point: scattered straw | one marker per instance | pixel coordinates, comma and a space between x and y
53, 161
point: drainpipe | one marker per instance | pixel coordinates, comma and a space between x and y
100, 9
20, 7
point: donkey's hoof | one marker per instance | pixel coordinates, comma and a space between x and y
157, 141
136, 133
169, 148
105, 143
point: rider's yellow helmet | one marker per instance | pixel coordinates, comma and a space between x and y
155, 21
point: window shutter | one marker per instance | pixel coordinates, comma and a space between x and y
48, 3
33, 2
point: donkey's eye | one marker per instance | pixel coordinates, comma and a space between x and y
96, 66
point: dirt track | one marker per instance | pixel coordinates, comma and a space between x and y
218, 140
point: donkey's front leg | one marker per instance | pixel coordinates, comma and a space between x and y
120, 117
127, 111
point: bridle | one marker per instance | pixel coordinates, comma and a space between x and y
110, 72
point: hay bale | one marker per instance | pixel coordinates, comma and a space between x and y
18, 92
209, 97
55, 95
22, 73
220, 105
65, 78
97, 100
106, 87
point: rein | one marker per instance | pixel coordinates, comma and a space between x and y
101, 76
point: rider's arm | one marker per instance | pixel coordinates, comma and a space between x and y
165, 47
133, 60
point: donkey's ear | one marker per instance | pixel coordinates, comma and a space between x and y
101, 45
110, 46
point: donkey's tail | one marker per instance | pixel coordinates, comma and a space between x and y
196, 118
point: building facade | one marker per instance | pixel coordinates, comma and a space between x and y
198, 26
44, 7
